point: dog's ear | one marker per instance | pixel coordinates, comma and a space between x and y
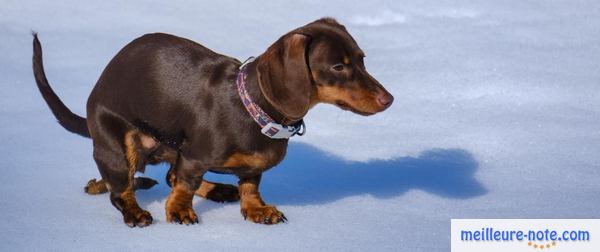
284, 76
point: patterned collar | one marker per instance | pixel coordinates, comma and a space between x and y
268, 126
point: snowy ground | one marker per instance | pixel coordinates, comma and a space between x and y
497, 115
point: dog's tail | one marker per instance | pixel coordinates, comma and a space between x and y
70, 121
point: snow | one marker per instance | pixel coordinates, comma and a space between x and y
496, 115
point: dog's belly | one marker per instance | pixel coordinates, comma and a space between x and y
238, 163
223, 170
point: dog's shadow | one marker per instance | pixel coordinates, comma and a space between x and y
310, 176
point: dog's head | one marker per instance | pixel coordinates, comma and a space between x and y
319, 62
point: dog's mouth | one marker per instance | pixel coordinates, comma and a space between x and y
345, 106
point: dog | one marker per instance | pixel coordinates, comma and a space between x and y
164, 98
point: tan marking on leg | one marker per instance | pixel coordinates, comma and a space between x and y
133, 214
253, 208
131, 154
179, 205
205, 188
135, 144
249, 195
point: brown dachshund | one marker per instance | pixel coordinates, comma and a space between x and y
164, 98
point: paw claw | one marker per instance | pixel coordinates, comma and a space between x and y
263, 215
139, 218
188, 221
183, 216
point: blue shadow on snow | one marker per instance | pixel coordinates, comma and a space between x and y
308, 175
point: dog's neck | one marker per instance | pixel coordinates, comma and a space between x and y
258, 97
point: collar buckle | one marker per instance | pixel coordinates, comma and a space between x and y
278, 131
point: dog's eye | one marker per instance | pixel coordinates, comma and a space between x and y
338, 67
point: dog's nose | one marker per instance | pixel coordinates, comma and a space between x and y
385, 100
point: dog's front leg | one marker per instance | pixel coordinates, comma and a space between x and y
189, 175
253, 207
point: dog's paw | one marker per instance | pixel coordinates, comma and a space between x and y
137, 218
263, 215
94, 187
224, 193
182, 216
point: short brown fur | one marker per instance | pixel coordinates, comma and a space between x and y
164, 98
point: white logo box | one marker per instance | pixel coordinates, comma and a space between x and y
553, 235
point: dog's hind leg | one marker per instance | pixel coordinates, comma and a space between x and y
94, 186
218, 192
118, 154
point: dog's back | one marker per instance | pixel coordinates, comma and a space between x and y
154, 79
